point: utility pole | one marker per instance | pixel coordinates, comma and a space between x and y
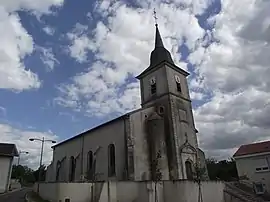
41, 156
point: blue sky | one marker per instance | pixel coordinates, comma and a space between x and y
35, 109
82, 56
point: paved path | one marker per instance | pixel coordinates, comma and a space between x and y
15, 196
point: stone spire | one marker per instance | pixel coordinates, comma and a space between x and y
158, 40
160, 53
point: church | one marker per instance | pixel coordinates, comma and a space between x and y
156, 142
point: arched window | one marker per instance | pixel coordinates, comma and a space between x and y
72, 169
89, 162
58, 166
189, 170
111, 158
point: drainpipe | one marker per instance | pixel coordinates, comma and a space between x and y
126, 149
82, 151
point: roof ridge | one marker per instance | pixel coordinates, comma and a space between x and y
253, 148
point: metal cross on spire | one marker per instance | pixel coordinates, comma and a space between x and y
155, 17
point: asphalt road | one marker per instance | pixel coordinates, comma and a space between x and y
15, 196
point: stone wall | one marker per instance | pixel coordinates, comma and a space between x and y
228, 197
127, 191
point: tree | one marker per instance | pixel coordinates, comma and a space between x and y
222, 170
198, 174
23, 174
42, 171
156, 174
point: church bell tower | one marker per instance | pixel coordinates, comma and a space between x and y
164, 86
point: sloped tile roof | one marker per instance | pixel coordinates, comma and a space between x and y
7, 149
254, 148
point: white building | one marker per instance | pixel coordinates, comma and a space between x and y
252, 162
7, 153
161, 134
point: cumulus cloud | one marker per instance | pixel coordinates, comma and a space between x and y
121, 53
230, 65
20, 137
47, 57
16, 43
41, 6
90, 92
235, 67
48, 30
80, 43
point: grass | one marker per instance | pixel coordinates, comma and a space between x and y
35, 197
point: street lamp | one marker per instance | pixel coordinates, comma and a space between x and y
41, 155
21, 152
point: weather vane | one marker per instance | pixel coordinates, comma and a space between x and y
155, 16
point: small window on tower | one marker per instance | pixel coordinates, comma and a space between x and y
161, 110
178, 83
178, 87
153, 88
153, 85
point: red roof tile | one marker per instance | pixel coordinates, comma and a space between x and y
254, 148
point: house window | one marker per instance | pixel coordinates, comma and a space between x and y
111, 155
189, 170
72, 164
262, 169
262, 165
259, 189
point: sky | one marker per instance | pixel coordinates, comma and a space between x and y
67, 66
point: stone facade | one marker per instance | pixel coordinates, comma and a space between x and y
156, 142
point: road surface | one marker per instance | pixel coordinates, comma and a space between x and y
15, 196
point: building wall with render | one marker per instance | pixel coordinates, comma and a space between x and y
5, 172
246, 167
110, 133
140, 130
127, 191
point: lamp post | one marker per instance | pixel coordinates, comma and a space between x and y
21, 152
41, 155
19, 157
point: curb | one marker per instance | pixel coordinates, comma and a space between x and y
26, 199
9, 192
